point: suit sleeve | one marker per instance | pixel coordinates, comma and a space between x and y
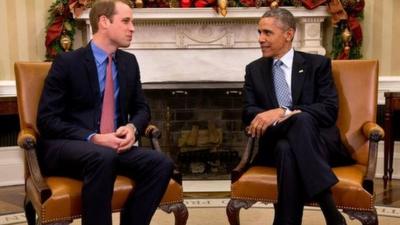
251, 108
51, 116
139, 110
324, 99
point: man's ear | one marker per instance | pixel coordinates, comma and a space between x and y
103, 21
289, 34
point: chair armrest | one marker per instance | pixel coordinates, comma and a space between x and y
27, 141
374, 133
154, 134
245, 160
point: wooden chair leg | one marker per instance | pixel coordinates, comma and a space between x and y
233, 210
180, 212
30, 215
30, 212
365, 217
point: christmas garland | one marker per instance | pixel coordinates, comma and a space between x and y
346, 17
61, 25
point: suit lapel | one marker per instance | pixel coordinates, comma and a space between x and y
268, 80
122, 80
92, 71
299, 72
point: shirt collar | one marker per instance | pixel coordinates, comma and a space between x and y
287, 59
99, 54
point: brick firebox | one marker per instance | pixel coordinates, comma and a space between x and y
197, 109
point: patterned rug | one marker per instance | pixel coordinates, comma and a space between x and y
212, 212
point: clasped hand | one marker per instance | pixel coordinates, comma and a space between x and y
121, 140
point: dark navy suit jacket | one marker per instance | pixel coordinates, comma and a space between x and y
313, 91
70, 105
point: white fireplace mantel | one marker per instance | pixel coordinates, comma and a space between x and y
198, 44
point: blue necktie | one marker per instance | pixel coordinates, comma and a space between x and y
281, 87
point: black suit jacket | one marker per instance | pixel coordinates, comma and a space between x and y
313, 91
70, 105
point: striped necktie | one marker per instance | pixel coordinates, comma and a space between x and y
281, 87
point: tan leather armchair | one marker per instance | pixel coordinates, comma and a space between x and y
357, 82
57, 200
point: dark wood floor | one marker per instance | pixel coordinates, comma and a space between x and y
12, 197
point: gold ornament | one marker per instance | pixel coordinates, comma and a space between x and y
222, 7
65, 42
274, 4
346, 35
138, 3
67, 26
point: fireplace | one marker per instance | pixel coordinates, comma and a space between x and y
201, 125
192, 63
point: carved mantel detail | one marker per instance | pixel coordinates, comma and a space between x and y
197, 44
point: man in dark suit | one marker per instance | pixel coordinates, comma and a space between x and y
291, 104
92, 111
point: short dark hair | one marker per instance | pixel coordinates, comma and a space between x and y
284, 16
104, 8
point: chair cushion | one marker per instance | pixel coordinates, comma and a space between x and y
259, 184
65, 201
173, 194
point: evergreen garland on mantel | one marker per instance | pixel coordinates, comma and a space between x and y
346, 17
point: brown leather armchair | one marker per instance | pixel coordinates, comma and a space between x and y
357, 82
57, 200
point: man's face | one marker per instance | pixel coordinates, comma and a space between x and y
274, 40
120, 28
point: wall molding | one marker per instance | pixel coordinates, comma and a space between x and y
7, 88
386, 83
12, 167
